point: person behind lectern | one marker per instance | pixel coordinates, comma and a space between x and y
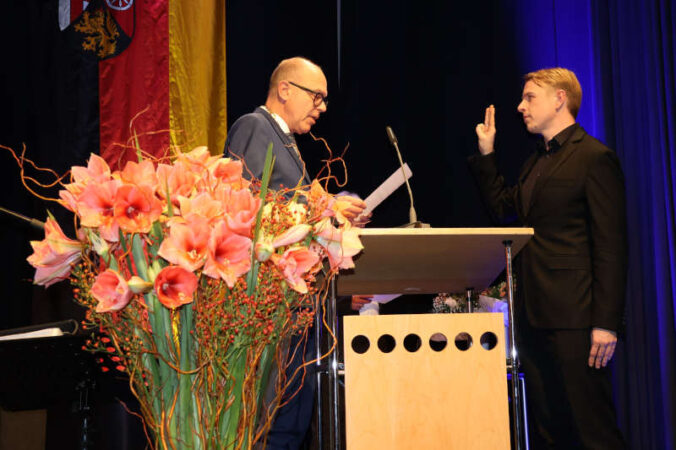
572, 273
297, 96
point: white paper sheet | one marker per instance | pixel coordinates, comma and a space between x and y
387, 188
376, 198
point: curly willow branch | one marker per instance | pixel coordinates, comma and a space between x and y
330, 160
22, 161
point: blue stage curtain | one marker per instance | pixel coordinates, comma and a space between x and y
624, 52
637, 39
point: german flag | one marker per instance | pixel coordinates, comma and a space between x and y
161, 72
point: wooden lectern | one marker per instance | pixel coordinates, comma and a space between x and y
426, 260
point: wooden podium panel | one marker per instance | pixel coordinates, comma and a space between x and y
450, 399
429, 260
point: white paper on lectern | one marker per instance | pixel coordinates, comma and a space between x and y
384, 298
376, 198
373, 308
387, 188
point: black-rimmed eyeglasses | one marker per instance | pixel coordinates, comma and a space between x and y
317, 97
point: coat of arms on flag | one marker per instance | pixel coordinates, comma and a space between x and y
100, 28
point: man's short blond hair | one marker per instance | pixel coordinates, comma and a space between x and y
287, 70
559, 78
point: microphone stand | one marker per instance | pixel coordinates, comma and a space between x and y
34, 222
413, 221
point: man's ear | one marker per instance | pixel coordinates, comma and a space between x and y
283, 91
561, 98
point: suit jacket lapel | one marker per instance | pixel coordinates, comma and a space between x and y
289, 143
564, 153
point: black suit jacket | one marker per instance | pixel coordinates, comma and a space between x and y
248, 139
572, 274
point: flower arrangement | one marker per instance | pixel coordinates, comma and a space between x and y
490, 299
192, 276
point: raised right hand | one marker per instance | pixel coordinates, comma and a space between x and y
486, 132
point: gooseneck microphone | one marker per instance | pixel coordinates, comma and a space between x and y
412, 216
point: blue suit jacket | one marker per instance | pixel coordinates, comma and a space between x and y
248, 139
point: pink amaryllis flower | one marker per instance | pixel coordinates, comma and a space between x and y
174, 181
136, 208
227, 171
240, 208
96, 207
292, 235
196, 161
202, 205
229, 254
175, 286
53, 256
294, 264
111, 291
97, 171
340, 245
187, 243
140, 174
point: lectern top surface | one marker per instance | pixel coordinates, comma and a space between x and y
430, 260
502, 232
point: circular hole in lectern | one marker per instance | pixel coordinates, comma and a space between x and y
412, 342
386, 343
463, 341
438, 342
360, 344
488, 340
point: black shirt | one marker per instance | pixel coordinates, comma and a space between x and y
546, 158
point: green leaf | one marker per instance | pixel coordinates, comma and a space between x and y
265, 181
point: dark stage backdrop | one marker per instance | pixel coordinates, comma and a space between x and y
428, 69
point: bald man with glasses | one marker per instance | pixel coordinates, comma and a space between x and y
296, 98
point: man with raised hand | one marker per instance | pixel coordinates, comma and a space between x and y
571, 276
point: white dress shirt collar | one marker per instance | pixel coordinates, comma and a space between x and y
279, 120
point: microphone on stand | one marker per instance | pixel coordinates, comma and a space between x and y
412, 216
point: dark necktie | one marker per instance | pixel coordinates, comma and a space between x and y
294, 145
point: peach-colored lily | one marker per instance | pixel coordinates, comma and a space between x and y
111, 291
229, 254
294, 263
136, 208
54, 256
187, 244
340, 245
175, 286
